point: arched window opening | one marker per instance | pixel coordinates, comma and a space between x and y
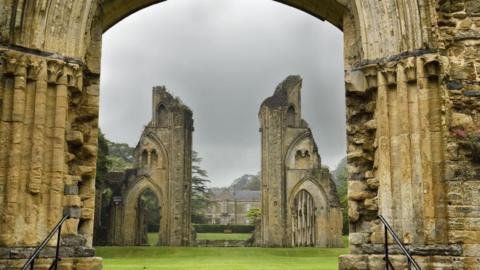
291, 117
144, 158
147, 229
154, 159
162, 116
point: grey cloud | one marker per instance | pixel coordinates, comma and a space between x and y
222, 58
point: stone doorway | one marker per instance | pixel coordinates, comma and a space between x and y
304, 220
147, 218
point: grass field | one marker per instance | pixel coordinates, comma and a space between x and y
153, 237
190, 258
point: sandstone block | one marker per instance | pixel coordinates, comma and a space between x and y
373, 183
471, 250
75, 137
472, 6
70, 226
358, 238
460, 120
94, 263
371, 204
353, 262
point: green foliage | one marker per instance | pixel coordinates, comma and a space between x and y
253, 214
341, 177
118, 164
475, 147
246, 182
102, 160
150, 202
220, 228
201, 196
121, 150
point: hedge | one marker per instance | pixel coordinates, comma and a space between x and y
218, 228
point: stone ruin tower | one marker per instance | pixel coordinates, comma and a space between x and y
300, 205
163, 164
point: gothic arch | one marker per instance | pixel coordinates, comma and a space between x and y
162, 116
291, 116
161, 150
310, 184
158, 146
330, 10
322, 211
289, 159
130, 206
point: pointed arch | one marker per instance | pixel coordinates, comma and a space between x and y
331, 10
162, 116
131, 206
291, 115
162, 153
306, 158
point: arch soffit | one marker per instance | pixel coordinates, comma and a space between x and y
160, 146
330, 10
305, 135
135, 190
306, 184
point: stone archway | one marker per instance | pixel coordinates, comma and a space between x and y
131, 212
402, 58
325, 219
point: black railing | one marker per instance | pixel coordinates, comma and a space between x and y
388, 264
57, 229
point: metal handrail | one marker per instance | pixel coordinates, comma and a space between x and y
57, 229
388, 229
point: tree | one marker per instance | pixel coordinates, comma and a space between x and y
253, 214
102, 195
103, 162
341, 179
201, 195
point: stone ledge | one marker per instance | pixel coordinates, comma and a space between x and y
48, 252
441, 250
73, 263
376, 262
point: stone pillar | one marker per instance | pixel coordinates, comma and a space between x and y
41, 178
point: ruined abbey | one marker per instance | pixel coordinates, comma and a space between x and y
412, 76
300, 204
163, 165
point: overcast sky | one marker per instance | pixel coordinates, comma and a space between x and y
223, 58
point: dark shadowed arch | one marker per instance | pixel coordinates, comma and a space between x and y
329, 10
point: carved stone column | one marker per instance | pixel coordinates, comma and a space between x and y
45, 144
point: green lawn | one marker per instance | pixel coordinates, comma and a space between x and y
153, 237
156, 258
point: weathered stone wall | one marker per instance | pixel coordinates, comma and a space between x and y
163, 158
411, 141
290, 165
47, 151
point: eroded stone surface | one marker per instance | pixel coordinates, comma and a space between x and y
162, 164
300, 205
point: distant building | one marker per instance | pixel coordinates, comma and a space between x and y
231, 207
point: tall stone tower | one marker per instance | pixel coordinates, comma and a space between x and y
300, 205
163, 165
